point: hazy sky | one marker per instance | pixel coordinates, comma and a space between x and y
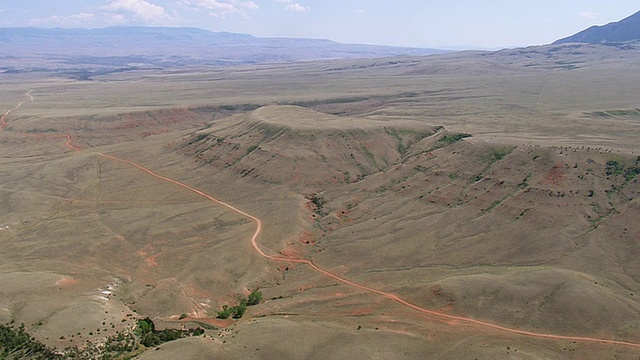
422, 23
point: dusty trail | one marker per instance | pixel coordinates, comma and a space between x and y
388, 295
3, 122
327, 273
68, 143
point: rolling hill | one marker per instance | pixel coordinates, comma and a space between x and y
501, 187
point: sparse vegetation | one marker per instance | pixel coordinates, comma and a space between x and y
197, 138
498, 154
254, 298
615, 113
236, 311
251, 149
418, 212
16, 343
315, 103
239, 310
525, 182
149, 336
452, 138
615, 167
316, 203
406, 138
240, 107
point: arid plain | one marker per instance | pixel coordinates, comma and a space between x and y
495, 195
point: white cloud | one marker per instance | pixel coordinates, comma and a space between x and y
219, 8
115, 12
213, 5
295, 7
79, 19
250, 5
357, 12
138, 8
117, 19
81, 16
589, 14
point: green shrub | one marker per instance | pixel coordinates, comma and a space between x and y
614, 167
251, 149
254, 298
17, 343
499, 154
239, 310
224, 313
452, 138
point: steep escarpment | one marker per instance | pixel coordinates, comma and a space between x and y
102, 129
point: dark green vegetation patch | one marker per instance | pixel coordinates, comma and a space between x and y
625, 113
629, 172
16, 343
150, 337
452, 138
238, 311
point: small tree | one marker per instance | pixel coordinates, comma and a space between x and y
254, 298
240, 309
225, 313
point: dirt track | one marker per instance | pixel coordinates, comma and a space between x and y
3, 122
327, 273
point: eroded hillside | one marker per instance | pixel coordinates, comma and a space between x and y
380, 233
301, 147
526, 236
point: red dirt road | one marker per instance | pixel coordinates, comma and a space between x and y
388, 295
68, 143
3, 122
327, 273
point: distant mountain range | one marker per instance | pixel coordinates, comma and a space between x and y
85, 53
163, 47
626, 30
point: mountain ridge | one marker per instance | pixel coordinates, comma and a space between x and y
168, 46
625, 30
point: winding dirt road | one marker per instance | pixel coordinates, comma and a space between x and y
3, 122
388, 295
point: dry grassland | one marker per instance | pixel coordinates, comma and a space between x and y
529, 224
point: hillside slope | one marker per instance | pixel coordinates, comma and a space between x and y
507, 234
302, 147
625, 30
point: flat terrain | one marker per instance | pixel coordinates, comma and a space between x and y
500, 188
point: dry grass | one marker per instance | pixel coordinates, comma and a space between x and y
518, 225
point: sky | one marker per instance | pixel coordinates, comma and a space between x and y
441, 24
